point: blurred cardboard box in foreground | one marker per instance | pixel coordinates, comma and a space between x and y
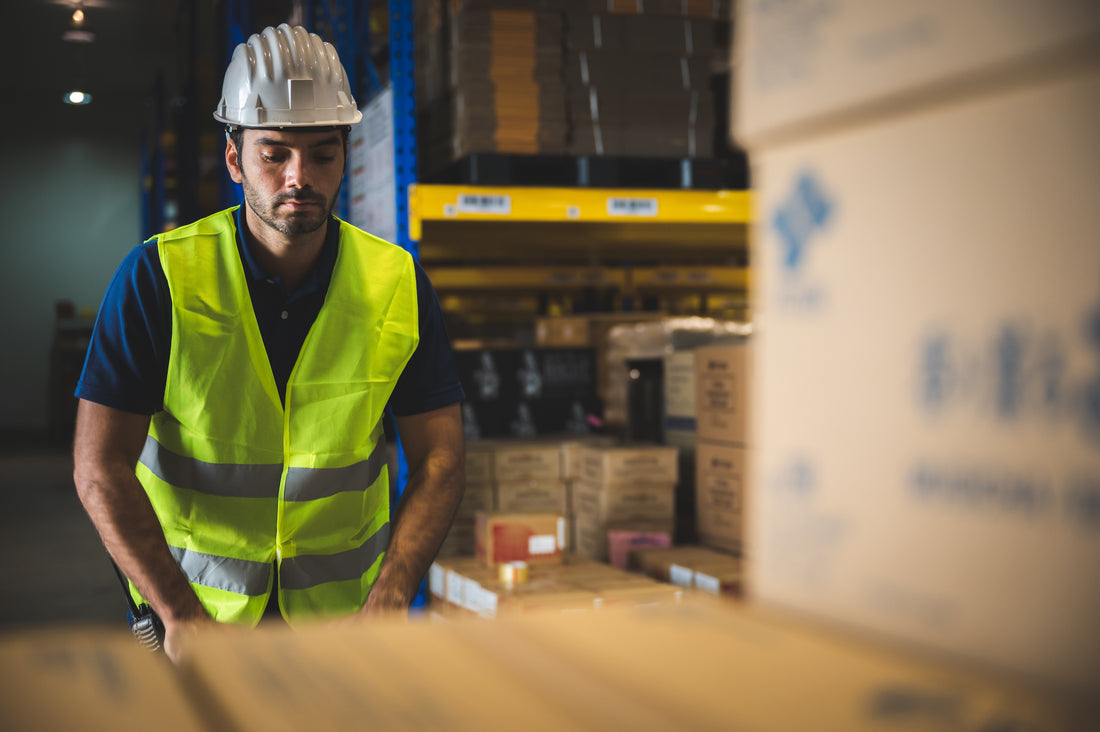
925, 461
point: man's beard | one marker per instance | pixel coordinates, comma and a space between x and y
303, 222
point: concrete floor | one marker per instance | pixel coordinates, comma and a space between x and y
54, 568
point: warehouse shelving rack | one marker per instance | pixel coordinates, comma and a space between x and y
485, 244
630, 242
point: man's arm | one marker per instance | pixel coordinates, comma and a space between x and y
107, 446
435, 452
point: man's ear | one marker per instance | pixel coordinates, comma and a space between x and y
233, 161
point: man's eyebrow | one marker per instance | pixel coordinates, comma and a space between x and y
272, 142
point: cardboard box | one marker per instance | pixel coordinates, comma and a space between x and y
629, 463
679, 396
925, 422
92, 679
479, 464
655, 561
572, 452
803, 64
461, 539
715, 575
611, 541
563, 332
720, 486
514, 460
523, 537
447, 577
686, 665
621, 502
531, 496
476, 497
338, 678
620, 542
722, 391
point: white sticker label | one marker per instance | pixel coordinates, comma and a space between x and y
436, 577
681, 576
706, 583
542, 544
481, 601
622, 206
484, 204
456, 588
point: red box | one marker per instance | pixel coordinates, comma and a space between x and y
535, 538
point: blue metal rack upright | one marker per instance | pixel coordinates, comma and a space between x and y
402, 84
402, 81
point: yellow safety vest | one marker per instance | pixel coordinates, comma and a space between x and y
241, 483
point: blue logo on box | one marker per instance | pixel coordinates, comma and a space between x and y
798, 221
805, 213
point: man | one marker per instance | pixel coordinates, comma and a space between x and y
229, 446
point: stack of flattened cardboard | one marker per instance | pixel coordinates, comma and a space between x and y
640, 85
504, 91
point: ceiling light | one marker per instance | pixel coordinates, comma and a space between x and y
78, 97
78, 16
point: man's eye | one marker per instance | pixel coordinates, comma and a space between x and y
325, 159
271, 157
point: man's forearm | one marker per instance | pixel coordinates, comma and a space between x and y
422, 520
128, 526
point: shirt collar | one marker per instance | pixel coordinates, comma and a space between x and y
319, 275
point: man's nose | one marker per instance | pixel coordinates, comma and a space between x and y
296, 172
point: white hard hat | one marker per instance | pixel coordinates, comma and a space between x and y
286, 77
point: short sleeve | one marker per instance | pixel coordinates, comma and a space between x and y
430, 379
126, 366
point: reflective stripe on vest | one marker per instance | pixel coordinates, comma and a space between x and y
220, 573
260, 481
239, 481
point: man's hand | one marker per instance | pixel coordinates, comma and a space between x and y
178, 635
387, 599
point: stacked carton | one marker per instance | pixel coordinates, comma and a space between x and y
570, 585
692, 567
925, 420
527, 476
721, 428
628, 486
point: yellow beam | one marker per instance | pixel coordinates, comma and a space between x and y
523, 278
430, 202
689, 278
632, 279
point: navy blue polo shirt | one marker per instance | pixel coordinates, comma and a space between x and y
127, 362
